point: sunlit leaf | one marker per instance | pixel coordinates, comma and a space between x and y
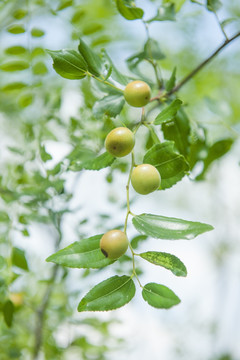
19, 258
16, 29
95, 163
162, 227
17, 65
110, 294
35, 32
16, 50
92, 60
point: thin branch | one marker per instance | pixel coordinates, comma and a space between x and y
202, 64
41, 314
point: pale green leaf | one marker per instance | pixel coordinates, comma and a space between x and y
35, 32
162, 227
166, 12
95, 163
17, 65
16, 50
159, 296
110, 294
16, 29
109, 105
172, 80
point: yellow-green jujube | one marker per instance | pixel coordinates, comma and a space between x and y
120, 142
137, 93
114, 244
145, 179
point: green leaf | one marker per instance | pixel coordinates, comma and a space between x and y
97, 163
64, 4
4, 217
171, 165
217, 150
115, 75
19, 259
171, 82
214, 5
16, 50
69, 64
17, 65
159, 296
92, 60
128, 11
152, 50
169, 112
166, 12
16, 29
110, 294
20, 14
45, 156
35, 32
168, 261
137, 239
84, 254
162, 227
110, 105
39, 68
25, 100
178, 130
8, 310
16, 86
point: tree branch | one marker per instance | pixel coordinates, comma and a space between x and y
201, 65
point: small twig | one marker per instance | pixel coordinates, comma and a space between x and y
201, 65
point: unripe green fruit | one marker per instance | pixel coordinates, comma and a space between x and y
137, 93
145, 179
120, 142
114, 244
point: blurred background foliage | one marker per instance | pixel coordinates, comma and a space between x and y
48, 122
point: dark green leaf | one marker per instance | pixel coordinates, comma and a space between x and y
171, 82
128, 11
214, 5
85, 254
178, 130
159, 296
165, 12
97, 163
171, 165
16, 29
8, 310
169, 112
168, 261
19, 259
69, 64
92, 60
35, 32
162, 227
109, 105
17, 65
110, 294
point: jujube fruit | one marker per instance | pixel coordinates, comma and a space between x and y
145, 179
120, 142
137, 93
114, 244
